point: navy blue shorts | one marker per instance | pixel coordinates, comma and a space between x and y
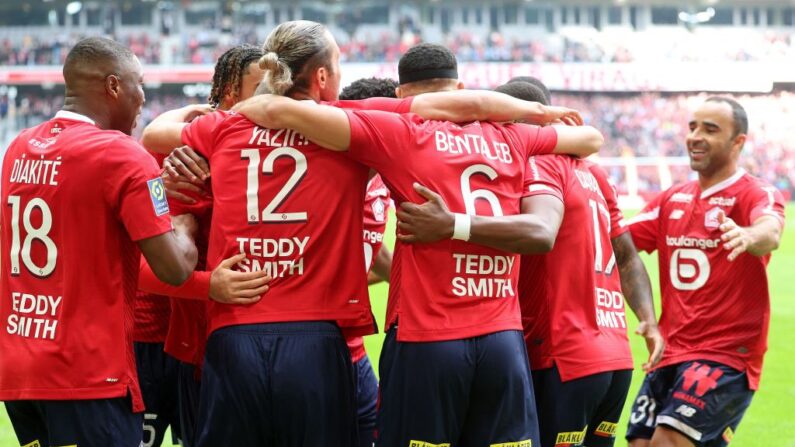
471, 392
366, 401
87, 423
702, 400
157, 375
583, 411
188, 389
277, 384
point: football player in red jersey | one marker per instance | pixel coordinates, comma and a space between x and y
82, 195
456, 335
378, 262
581, 377
302, 61
170, 336
713, 238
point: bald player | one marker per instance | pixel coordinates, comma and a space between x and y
82, 199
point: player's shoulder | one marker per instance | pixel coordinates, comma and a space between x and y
749, 181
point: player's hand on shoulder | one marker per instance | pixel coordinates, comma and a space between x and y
427, 222
654, 343
735, 238
194, 111
184, 164
562, 115
229, 286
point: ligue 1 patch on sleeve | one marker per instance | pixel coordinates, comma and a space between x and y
157, 192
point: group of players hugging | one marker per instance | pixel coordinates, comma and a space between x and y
242, 323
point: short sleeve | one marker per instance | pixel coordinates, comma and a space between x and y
198, 134
544, 175
617, 224
533, 140
377, 138
766, 200
645, 226
382, 104
135, 190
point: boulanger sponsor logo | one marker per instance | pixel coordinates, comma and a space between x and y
414, 443
157, 191
606, 429
570, 438
525, 443
689, 269
691, 242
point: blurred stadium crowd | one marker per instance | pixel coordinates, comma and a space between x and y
645, 129
572, 45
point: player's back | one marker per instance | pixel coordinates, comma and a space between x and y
450, 289
296, 210
572, 305
69, 225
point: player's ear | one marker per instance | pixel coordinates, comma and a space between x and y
739, 141
321, 76
460, 85
398, 92
113, 85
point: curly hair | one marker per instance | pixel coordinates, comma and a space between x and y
229, 71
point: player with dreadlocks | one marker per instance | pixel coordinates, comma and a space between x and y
174, 385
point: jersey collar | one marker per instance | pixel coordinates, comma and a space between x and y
714, 189
65, 114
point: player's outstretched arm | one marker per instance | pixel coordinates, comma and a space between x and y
164, 133
533, 231
581, 141
636, 286
172, 255
485, 105
758, 239
323, 125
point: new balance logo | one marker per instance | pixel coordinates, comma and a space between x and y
676, 214
702, 376
686, 411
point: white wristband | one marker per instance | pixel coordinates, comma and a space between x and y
462, 229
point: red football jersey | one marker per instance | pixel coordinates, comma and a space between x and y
618, 224
152, 311
187, 328
576, 322
77, 197
274, 201
712, 308
376, 205
451, 289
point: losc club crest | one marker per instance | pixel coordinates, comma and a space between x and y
711, 219
379, 209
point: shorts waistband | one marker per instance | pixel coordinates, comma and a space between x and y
292, 327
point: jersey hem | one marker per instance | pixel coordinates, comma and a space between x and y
414, 335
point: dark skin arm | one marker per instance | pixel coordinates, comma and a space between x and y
382, 266
636, 286
172, 256
531, 232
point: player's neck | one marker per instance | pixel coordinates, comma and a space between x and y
706, 181
75, 105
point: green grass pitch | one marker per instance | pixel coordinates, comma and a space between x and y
771, 419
